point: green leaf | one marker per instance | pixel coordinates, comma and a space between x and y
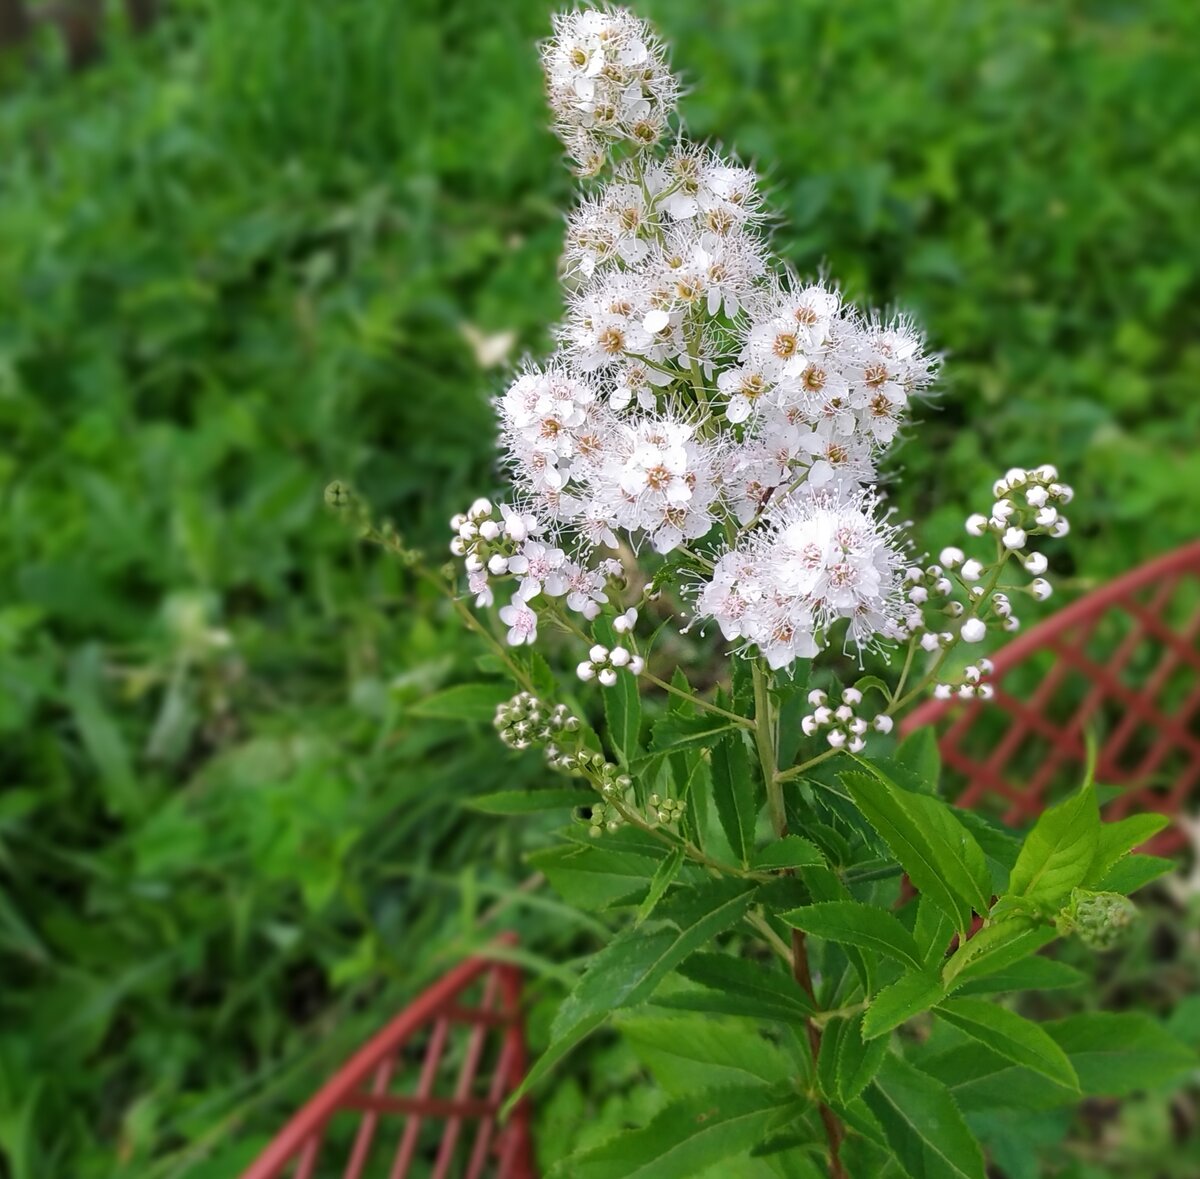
922, 1124
858, 1060
689, 1052
996, 947
689, 1136
855, 924
1058, 852
622, 709
1116, 1054
1134, 872
471, 702
1118, 839
793, 707
734, 794
792, 851
659, 883
1011, 1036
674, 731
1030, 974
909, 995
983, 1081
941, 868
594, 876
932, 931
631, 966
919, 759
751, 980
524, 802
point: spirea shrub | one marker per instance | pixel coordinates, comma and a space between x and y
702, 452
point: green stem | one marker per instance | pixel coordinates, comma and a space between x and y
704, 705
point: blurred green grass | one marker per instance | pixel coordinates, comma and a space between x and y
258, 250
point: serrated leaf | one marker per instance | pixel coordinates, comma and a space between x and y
793, 706
856, 924
922, 1124
909, 995
831, 1039
885, 808
737, 976
525, 802
724, 1003
664, 874
631, 966
1118, 1053
1133, 872
1031, 974
472, 702
687, 1137
995, 947
792, 851
592, 876
734, 794
1011, 1036
1058, 852
920, 760
689, 1052
674, 731
1118, 839
932, 932
622, 705
982, 1082
858, 1060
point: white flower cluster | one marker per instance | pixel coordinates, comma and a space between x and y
602, 664
607, 80
820, 557
701, 397
843, 727
510, 545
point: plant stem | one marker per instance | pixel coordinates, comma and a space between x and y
697, 701
764, 734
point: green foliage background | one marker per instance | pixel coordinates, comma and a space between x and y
248, 254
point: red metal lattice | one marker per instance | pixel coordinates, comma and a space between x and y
403, 1072
1122, 662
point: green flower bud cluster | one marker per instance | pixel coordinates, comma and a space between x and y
667, 810
604, 817
1101, 919
525, 720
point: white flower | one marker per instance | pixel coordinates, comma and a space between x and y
972, 570
624, 623
540, 568
977, 524
1041, 588
973, 630
882, 723
951, 557
1014, 538
521, 622
1036, 564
